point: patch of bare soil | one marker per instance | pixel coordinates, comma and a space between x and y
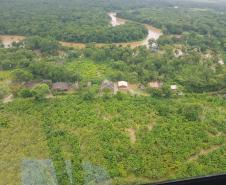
132, 135
49, 96
73, 44
8, 99
151, 126
217, 134
8, 40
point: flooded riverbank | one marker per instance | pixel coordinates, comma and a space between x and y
153, 33
8, 40
115, 21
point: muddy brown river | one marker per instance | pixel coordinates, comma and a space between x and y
153, 33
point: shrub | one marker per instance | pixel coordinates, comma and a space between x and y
20, 75
3, 121
2, 92
40, 91
191, 112
88, 96
25, 93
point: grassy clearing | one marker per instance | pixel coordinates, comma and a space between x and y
4, 75
22, 138
89, 70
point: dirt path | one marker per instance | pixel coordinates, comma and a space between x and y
132, 135
151, 126
204, 152
207, 150
8, 99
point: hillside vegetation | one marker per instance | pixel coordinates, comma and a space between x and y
71, 21
111, 114
168, 134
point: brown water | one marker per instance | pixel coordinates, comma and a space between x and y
115, 21
153, 33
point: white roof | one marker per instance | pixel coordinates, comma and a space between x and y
173, 87
155, 84
178, 53
123, 83
221, 62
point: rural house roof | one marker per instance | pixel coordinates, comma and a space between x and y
155, 84
173, 87
122, 84
221, 62
60, 86
106, 84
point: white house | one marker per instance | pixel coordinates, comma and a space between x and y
122, 84
221, 62
173, 87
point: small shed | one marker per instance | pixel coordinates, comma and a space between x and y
178, 53
155, 84
122, 84
221, 62
154, 47
89, 84
178, 37
173, 87
106, 84
60, 86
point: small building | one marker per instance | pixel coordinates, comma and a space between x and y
60, 86
106, 84
122, 85
173, 87
141, 86
89, 84
155, 84
221, 62
178, 53
178, 37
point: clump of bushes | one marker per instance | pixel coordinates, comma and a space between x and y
3, 92
191, 112
38, 92
3, 121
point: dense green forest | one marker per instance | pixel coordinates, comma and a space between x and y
53, 106
202, 28
71, 21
